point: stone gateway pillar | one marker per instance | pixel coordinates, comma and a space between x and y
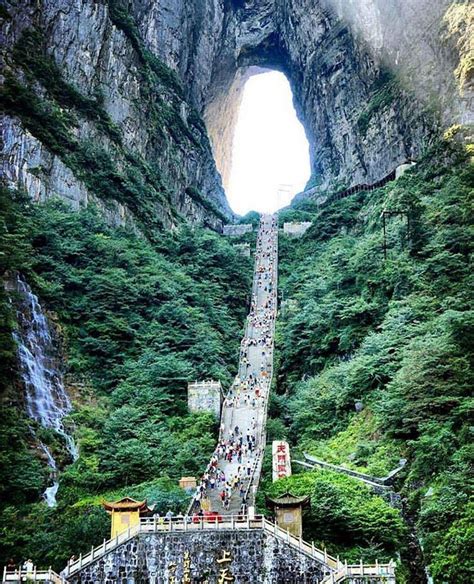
288, 511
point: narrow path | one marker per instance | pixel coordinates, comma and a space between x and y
229, 483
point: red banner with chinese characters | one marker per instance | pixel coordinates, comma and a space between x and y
281, 459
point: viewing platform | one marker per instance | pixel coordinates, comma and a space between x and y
47, 576
157, 542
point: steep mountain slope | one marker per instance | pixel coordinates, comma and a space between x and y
103, 107
133, 323
375, 361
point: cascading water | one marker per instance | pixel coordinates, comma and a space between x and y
46, 399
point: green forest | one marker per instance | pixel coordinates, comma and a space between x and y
394, 336
138, 321
118, 118
391, 332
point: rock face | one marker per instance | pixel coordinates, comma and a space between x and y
133, 77
92, 114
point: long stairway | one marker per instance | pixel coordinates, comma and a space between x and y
161, 542
235, 466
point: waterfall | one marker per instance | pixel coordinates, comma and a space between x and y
46, 399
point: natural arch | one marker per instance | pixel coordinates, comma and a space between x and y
360, 122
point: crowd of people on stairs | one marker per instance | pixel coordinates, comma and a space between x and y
226, 484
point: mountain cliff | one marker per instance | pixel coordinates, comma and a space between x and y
104, 99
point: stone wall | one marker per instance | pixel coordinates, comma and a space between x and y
237, 230
205, 396
296, 229
255, 557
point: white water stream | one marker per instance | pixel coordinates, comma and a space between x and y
46, 399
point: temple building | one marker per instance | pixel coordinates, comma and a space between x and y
288, 511
126, 514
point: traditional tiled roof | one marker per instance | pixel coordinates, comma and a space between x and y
126, 504
288, 500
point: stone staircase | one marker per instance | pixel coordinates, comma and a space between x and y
189, 533
242, 416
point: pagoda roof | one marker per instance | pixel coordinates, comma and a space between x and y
288, 500
126, 504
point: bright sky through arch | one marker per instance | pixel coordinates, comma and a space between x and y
270, 161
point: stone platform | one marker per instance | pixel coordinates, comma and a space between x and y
229, 549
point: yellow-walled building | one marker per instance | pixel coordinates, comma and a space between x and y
125, 514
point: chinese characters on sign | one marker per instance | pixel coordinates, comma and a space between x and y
281, 460
223, 565
225, 575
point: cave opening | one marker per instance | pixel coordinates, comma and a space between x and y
270, 153
259, 144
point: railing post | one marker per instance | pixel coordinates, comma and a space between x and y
34, 573
312, 549
361, 568
92, 552
4, 573
80, 561
325, 555
154, 522
248, 521
128, 533
287, 535
104, 543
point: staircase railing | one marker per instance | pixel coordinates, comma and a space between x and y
234, 523
385, 571
33, 575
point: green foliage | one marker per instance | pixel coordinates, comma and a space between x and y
395, 334
14, 254
24, 476
345, 515
139, 321
384, 92
251, 217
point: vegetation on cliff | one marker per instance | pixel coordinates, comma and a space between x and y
139, 321
77, 128
394, 337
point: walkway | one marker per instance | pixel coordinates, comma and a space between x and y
231, 478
